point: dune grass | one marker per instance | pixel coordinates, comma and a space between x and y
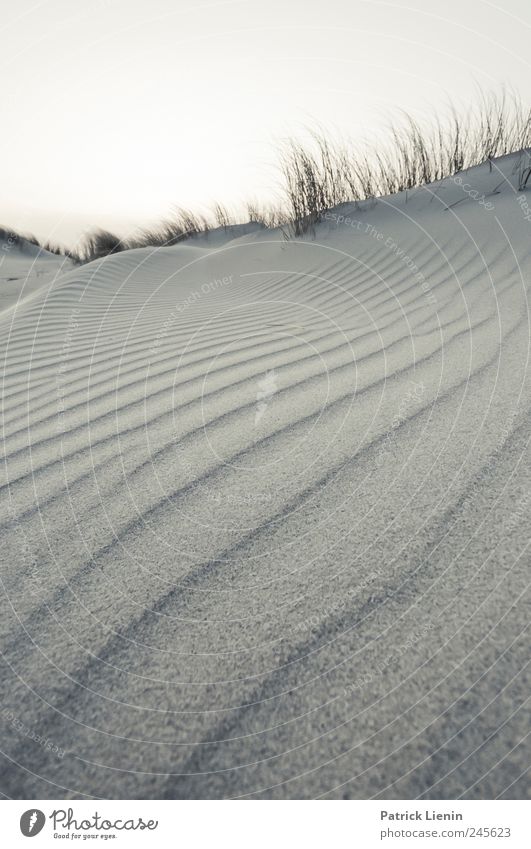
10, 238
320, 173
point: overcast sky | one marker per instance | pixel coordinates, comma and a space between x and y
114, 110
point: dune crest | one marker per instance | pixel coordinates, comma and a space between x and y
241, 479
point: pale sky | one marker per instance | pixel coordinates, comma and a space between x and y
113, 111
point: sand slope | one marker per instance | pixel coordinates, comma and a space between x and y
265, 508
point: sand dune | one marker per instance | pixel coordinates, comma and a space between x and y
265, 508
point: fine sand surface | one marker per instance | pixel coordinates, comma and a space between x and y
265, 508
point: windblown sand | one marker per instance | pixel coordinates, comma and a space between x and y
265, 508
